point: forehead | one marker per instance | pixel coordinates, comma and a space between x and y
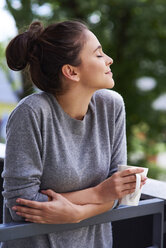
91, 42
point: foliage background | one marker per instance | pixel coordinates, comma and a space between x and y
133, 33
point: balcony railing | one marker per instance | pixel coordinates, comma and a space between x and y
145, 222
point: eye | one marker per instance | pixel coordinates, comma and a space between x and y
99, 56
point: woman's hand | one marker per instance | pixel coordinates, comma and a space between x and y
119, 184
56, 211
59, 210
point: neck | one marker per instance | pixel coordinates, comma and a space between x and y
75, 103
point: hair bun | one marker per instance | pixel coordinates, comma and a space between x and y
20, 49
35, 30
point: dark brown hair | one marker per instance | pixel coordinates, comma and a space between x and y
45, 50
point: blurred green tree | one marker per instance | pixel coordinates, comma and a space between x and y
2, 54
133, 33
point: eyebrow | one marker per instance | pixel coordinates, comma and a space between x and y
97, 48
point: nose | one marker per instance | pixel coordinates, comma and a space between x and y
109, 60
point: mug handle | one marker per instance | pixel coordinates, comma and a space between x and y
137, 187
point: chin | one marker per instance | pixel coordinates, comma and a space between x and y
110, 85
113, 84
107, 85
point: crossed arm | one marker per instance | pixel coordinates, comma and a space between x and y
79, 205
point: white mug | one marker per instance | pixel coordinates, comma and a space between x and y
133, 198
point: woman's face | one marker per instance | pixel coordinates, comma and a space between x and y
95, 72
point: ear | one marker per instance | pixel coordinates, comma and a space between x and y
70, 72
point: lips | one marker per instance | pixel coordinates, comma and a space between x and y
109, 72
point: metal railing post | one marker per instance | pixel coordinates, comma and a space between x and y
158, 220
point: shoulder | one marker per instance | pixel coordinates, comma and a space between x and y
35, 101
31, 106
109, 98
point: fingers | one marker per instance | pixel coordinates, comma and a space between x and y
35, 220
143, 180
132, 178
31, 204
20, 210
50, 193
126, 192
131, 171
129, 186
129, 179
31, 215
129, 183
31, 218
39, 221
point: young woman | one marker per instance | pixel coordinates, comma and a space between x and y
64, 143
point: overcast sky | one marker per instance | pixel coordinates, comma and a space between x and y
7, 24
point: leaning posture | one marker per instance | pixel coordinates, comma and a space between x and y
64, 143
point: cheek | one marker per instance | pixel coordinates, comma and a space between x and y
92, 70
96, 68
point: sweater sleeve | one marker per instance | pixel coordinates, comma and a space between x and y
23, 162
119, 147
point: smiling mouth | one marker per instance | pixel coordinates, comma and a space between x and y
109, 72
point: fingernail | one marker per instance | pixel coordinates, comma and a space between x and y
18, 200
18, 213
14, 208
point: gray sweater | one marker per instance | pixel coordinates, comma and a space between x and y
47, 149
